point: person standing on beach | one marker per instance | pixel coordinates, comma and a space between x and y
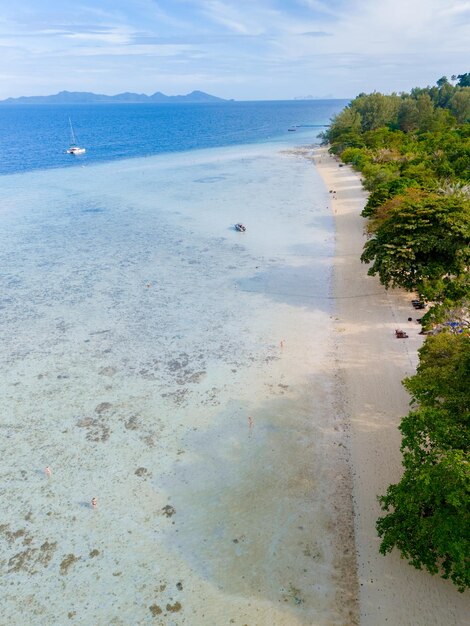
94, 503
48, 471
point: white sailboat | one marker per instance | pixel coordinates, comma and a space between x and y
74, 148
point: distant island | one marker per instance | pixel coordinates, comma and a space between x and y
85, 97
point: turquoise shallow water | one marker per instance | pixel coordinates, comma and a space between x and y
140, 331
143, 253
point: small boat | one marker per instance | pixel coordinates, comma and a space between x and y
73, 148
240, 227
76, 150
292, 129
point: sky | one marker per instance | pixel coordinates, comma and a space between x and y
240, 49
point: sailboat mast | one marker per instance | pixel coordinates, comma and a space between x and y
72, 134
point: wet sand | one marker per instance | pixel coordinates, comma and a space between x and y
371, 364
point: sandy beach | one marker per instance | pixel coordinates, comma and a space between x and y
371, 364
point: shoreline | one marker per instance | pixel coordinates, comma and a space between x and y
371, 365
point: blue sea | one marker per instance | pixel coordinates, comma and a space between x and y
173, 368
37, 137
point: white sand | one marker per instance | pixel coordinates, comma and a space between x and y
372, 362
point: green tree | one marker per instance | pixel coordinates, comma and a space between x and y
459, 105
464, 80
408, 115
440, 384
428, 512
445, 94
357, 157
386, 191
425, 111
428, 516
417, 237
442, 81
345, 130
377, 174
376, 110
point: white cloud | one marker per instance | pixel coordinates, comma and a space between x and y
112, 38
226, 15
294, 46
457, 9
134, 51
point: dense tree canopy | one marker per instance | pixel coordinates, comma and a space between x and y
420, 237
429, 509
413, 152
464, 80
